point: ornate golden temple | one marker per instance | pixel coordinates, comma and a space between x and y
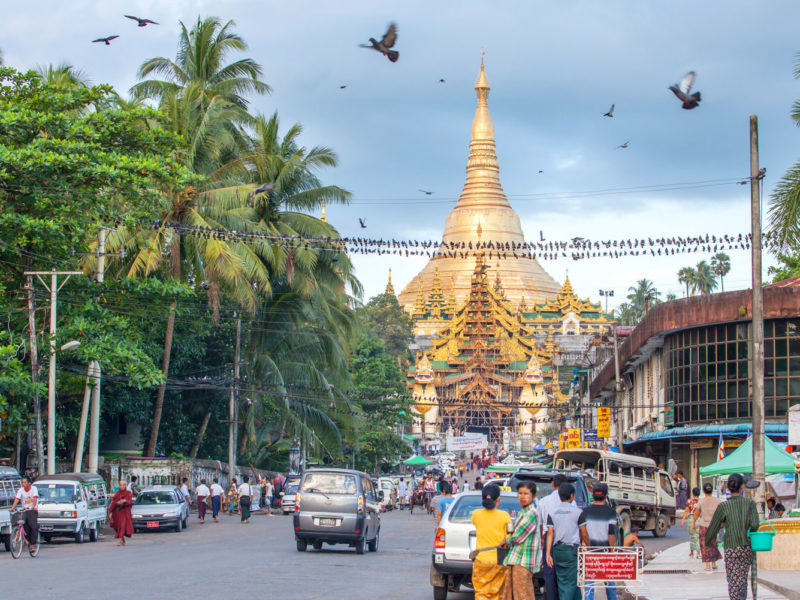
483, 212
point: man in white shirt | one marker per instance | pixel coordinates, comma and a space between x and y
185, 491
28, 496
216, 499
245, 496
268, 492
546, 505
402, 493
202, 492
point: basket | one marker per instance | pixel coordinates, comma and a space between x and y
761, 541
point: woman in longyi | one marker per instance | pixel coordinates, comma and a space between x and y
488, 577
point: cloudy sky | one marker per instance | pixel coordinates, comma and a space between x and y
554, 67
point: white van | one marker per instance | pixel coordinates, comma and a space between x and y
385, 485
642, 492
73, 505
10, 482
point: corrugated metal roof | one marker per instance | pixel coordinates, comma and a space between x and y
709, 430
790, 282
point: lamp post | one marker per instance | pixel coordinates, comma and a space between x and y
606, 294
51, 406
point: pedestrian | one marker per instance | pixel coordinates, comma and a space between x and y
444, 501
703, 513
779, 510
245, 495
466, 486
738, 516
119, 512
546, 504
454, 485
402, 493
268, 489
524, 547
187, 496
694, 536
771, 514
133, 486
478, 484
601, 527
233, 496
490, 523
216, 499
566, 530
202, 492
683, 490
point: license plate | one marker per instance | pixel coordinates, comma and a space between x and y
152, 524
328, 522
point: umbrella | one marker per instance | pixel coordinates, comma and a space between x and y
418, 461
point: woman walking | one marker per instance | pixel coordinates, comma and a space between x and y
120, 513
233, 495
490, 523
738, 516
524, 547
703, 513
694, 536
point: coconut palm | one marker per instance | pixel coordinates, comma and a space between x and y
705, 281
62, 75
721, 265
642, 296
626, 314
688, 276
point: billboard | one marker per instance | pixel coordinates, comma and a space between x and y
603, 422
469, 441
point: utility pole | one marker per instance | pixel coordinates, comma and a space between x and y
37, 406
232, 405
757, 354
53, 288
617, 397
94, 418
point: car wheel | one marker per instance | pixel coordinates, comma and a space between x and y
373, 544
317, 545
186, 522
301, 545
7, 542
662, 524
439, 593
94, 532
80, 535
179, 526
361, 545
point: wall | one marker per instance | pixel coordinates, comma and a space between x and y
172, 471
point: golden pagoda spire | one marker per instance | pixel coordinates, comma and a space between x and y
451, 297
389, 287
566, 289
419, 303
323, 218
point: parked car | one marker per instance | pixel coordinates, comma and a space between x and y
385, 485
337, 506
288, 498
73, 505
160, 507
10, 482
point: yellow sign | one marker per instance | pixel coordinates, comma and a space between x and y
573, 438
603, 422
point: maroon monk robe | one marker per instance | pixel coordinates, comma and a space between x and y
120, 514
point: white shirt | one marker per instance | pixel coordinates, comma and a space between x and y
202, 491
245, 490
28, 499
466, 486
547, 505
185, 492
402, 489
216, 490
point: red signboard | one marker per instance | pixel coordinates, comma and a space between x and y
610, 566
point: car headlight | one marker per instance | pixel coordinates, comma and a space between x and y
71, 514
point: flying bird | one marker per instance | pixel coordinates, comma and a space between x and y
541, 171
141, 22
362, 222
264, 187
610, 112
105, 40
682, 89
625, 145
341, 87
441, 81
426, 192
387, 42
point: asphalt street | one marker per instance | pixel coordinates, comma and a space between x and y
233, 561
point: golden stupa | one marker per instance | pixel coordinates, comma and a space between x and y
484, 214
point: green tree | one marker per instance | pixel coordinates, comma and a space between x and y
641, 297
626, 314
705, 281
386, 319
688, 276
63, 75
789, 266
721, 265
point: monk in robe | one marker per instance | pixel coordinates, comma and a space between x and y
120, 513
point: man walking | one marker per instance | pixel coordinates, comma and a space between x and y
566, 530
216, 499
245, 495
546, 505
185, 491
601, 526
202, 493
402, 493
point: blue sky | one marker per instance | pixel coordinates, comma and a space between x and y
554, 67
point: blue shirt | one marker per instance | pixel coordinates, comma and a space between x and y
444, 503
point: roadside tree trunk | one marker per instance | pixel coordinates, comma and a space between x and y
200, 433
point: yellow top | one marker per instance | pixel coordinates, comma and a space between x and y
490, 529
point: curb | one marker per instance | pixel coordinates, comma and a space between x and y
789, 593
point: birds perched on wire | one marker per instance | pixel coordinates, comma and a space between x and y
682, 91
105, 40
426, 192
385, 44
141, 22
610, 112
625, 145
362, 222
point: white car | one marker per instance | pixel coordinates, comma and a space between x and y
160, 507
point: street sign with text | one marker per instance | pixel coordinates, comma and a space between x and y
603, 422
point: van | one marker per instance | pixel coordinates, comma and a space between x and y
337, 506
72, 505
643, 493
10, 482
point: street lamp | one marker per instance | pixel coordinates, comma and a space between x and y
51, 408
606, 293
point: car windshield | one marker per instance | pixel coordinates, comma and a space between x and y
150, 498
57, 492
543, 483
329, 483
292, 489
462, 509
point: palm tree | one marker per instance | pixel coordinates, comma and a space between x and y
626, 314
688, 276
721, 265
641, 297
705, 281
671, 297
62, 75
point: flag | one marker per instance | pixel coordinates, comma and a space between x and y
721, 453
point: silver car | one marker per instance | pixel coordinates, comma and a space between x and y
288, 498
160, 507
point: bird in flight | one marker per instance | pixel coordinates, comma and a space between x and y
426, 192
341, 87
387, 42
441, 81
362, 222
610, 112
141, 22
105, 40
263, 188
682, 89
625, 145
541, 171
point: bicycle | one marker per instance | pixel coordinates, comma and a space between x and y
19, 537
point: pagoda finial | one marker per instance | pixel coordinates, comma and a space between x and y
323, 218
482, 126
389, 287
419, 303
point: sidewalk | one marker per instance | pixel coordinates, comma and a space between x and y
672, 575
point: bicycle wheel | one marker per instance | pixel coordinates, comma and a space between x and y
33, 546
16, 542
